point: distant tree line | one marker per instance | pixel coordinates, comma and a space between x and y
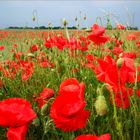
40, 27
109, 27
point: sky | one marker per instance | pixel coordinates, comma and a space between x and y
20, 13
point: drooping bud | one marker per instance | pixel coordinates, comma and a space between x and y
120, 62
50, 25
65, 23
33, 18
31, 55
101, 105
44, 109
85, 17
120, 55
76, 18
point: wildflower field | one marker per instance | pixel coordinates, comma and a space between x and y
70, 84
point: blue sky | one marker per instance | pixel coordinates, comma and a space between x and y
19, 13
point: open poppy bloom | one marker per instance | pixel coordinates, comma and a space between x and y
120, 26
97, 35
131, 37
67, 111
27, 69
117, 77
45, 95
16, 113
92, 137
71, 85
2, 48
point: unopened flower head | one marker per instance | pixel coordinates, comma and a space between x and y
65, 22
101, 105
33, 18
85, 17
76, 18
120, 62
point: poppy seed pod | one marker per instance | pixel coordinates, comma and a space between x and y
120, 62
100, 105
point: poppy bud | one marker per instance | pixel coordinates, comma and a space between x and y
30, 55
76, 18
44, 109
88, 30
119, 62
100, 105
136, 64
26, 41
120, 55
85, 17
33, 18
65, 23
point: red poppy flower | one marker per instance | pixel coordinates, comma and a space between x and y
87, 137
117, 77
98, 30
97, 35
138, 44
45, 95
43, 61
27, 69
131, 55
72, 85
17, 133
16, 113
92, 137
117, 51
120, 26
98, 40
138, 93
56, 41
2, 48
34, 48
83, 43
67, 111
131, 36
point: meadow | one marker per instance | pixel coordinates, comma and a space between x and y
70, 84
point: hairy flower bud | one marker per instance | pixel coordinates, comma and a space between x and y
44, 109
120, 62
76, 18
100, 105
85, 17
31, 55
65, 23
33, 18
